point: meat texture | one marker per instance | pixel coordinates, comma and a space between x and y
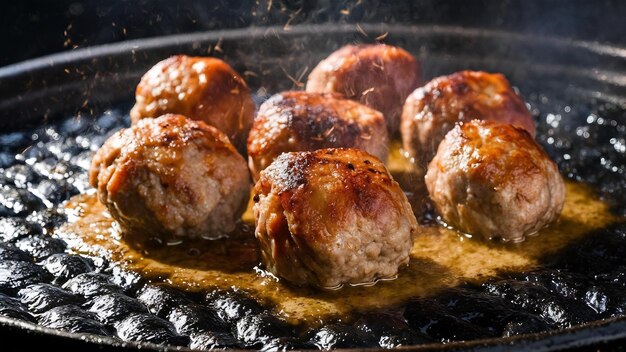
493, 180
433, 110
377, 75
332, 217
300, 121
171, 176
200, 88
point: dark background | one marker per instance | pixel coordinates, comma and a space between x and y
35, 28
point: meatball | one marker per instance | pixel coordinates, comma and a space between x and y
433, 110
171, 176
493, 180
200, 88
300, 121
331, 217
379, 76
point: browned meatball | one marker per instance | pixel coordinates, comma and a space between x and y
493, 180
433, 110
171, 176
379, 76
332, 217
200, 88
300, 121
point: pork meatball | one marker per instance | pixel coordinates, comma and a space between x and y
200, 88
171, 176
332, 217
378, 75
433, 110
493, 180
300, 121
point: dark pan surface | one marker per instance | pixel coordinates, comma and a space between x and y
576, 90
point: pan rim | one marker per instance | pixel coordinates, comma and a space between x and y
179, 39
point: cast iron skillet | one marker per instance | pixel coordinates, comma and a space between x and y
276, 58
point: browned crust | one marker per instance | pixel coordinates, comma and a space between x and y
492, 179
377, 75
331, 217
358, 181
433, 110
153, 151
300, 121
201, 88
512, 159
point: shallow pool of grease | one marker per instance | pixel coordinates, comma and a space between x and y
441, 258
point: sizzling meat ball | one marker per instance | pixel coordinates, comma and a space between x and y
300, 121
433, 110
331, 217
493, 180
201, 88
379, 76
171, 175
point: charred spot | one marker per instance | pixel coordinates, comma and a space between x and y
256, 198
167, 140
350, 166
461, 88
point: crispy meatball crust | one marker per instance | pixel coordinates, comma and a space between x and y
332, 217
200, 88
433, 110
378, 75
171, 176
493, 180
301, 121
